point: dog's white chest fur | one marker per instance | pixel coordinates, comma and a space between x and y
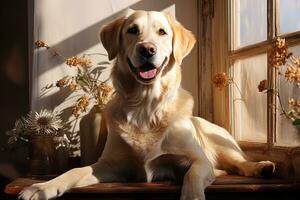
141, 140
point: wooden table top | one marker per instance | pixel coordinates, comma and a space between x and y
222, 184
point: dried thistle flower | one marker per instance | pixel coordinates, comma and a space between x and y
220, 80
43, 123
40, 43
263, 85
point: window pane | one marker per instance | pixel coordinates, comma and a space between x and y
287, 134
249, 106
250, 22
289, 12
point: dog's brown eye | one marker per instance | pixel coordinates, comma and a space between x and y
162, 32
133, 30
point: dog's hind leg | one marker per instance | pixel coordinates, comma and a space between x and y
232, 159
229, 155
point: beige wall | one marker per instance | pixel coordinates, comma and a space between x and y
72, 27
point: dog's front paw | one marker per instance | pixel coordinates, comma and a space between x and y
41, 191
193, 187
189, 192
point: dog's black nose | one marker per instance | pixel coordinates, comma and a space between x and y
146, 49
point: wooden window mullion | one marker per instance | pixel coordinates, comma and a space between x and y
272, 77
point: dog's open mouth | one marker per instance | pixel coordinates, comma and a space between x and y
147, 71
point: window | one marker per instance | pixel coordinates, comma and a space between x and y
242, 34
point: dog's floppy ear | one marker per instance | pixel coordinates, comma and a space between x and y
129, 12
110, 37
183, 40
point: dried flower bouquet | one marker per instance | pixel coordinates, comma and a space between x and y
86, 80
43, 123
279, 56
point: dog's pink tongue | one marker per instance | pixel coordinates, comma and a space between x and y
148, 74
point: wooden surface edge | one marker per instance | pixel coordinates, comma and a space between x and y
222, 184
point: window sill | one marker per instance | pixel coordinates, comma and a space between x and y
232, 186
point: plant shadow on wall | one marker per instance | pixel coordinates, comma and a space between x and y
89, 34
69, 84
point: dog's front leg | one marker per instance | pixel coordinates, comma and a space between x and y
77, 177
198, 177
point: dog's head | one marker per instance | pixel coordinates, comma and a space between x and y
146, 43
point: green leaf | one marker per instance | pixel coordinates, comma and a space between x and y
103, 63
83, 80
80, 72
82, 85
98, 69
296, 122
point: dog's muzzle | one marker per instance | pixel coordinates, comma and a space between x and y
146, 72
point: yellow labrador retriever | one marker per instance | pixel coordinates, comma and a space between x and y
152, 134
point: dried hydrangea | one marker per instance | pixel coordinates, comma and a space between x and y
220, 80
294, 104
292, 74
83, 61
86, 79
72, 85
61, 83
104, 91
263, 85
81, 106
40, 43
279, 53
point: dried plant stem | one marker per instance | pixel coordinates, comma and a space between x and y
237, 87
22, 139
86, 79
55, 52
280, 103
91, 54
277, 93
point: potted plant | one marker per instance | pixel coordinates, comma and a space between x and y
94, 95
44, 133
